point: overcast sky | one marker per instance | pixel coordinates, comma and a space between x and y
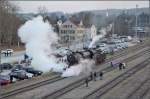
76, 6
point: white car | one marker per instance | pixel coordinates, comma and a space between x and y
105, 48
10, 50
7, 51
29, 75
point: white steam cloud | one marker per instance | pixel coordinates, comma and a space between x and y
38, 37
84, 67
103, 32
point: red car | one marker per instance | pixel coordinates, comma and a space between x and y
4, 80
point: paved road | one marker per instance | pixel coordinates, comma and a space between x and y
17, 56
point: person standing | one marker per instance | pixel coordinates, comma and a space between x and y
86, 82
91, 76
123, 66
111, 64
95, 75
26, 57
101, 75
120, 66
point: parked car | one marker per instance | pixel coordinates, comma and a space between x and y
17, 67
4, 79
125, 45
126, 38
105, 48
33, 71
7, 52
20, 74
10, 50
121, 45
6, 66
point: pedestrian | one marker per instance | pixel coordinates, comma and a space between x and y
120, 66
11, 79
123, 66
91, 76
6, 53
26, 57
86, 82
111, 64
95, 75
101, 75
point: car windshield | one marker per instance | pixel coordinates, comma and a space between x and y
30, 69
18, 66
21, 72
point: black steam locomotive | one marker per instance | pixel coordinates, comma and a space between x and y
93, 53
96, 54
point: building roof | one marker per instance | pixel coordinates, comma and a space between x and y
68, 22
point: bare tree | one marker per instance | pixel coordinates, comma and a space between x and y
42, 10
9, 23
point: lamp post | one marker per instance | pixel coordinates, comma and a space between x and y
136, 24
0, 55
149, 35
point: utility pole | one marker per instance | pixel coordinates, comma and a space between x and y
136, 24
0, 53
149, 36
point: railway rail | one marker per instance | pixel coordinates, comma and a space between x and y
26, 88
54, 79
141, 90
111, 84
80, 82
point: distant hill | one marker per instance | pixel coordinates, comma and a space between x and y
118, 11
97, 16
111, 12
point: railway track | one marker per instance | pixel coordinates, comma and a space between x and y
54, 79
108, 69
111, 84
80, 82
26, 88
141, 90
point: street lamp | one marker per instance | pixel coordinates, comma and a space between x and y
0, 55
149, 35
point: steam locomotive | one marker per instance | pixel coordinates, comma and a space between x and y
73, 58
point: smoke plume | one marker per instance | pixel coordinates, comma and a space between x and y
38, 38
102, 34
84, 67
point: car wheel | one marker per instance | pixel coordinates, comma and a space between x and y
36, 74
